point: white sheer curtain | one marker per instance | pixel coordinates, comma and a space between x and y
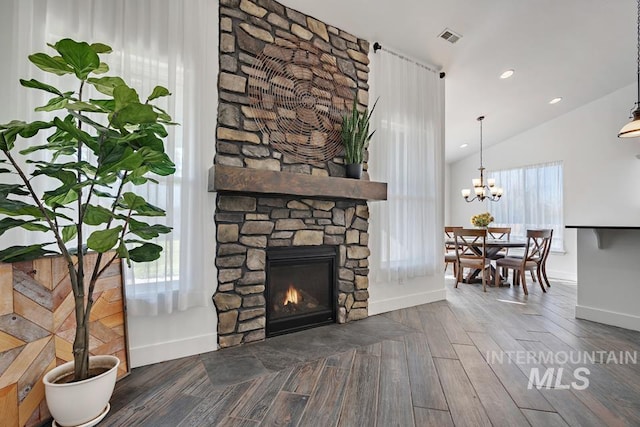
155, 42
407, 153
533, 199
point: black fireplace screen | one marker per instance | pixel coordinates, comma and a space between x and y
301, 288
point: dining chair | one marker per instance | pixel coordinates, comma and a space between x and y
543, 265
499, 233
449, 249
470, 246
538, 242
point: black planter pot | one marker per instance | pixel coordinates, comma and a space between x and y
354, 170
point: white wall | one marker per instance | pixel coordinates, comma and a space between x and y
608, 291
600, 170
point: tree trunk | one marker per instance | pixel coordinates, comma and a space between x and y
81, 341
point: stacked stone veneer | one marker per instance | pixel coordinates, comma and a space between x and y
247, 225
340, 71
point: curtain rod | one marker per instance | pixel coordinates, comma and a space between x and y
377, 46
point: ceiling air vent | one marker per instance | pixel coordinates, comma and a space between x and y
450, 36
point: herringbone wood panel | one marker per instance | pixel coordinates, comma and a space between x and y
37, 327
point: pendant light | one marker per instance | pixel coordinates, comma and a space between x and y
483, 190
632, 129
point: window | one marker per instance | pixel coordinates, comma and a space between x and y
532, 200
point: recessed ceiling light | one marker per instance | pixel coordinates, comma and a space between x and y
464, 145
506, 74
555, 100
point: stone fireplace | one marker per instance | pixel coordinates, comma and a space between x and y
249, 227
281, 191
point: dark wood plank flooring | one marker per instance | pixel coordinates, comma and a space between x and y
428, 365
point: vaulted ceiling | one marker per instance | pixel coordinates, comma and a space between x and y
579, 50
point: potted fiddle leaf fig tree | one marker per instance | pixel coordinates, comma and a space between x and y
355, 138
102, 141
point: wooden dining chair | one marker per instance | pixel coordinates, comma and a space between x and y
543, 265
470, 253
534, 256
499, 233
450, 249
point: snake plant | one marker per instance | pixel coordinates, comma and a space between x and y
355, 133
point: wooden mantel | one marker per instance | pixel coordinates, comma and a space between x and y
246, 180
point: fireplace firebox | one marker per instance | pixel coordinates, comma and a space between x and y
301, 288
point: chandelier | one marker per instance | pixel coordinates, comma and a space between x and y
483, 189
632, 128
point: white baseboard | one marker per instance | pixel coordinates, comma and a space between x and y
396, 303
563, 275
169, 350
621, 320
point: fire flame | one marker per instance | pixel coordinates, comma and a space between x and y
292, 296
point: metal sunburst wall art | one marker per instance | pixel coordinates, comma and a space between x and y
298, 97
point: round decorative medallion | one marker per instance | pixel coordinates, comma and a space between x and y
298, 97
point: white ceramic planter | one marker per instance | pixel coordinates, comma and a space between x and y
80, 403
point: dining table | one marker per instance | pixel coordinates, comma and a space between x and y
492, 250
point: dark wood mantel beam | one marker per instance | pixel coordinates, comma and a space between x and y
246, 180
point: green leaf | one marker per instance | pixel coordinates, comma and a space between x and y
147, 139
149, 210
57, 103
106, 85
157, 129
6, 140
145, 253
55, 65
97, 126
96, 215
123, 253
17, 127
133, 201
158, 163
134, 114
101, 48
61, 196
103, 194
116, 157
25, 253
69, 232
32, 226
147, 231
103, 240
17, 189
35, 84
102, 68
58, 172
76, 133
104, 104
18, 208
163, 115
158, 92
79, 55
124, 95
31, 129
84, 106
9, 223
